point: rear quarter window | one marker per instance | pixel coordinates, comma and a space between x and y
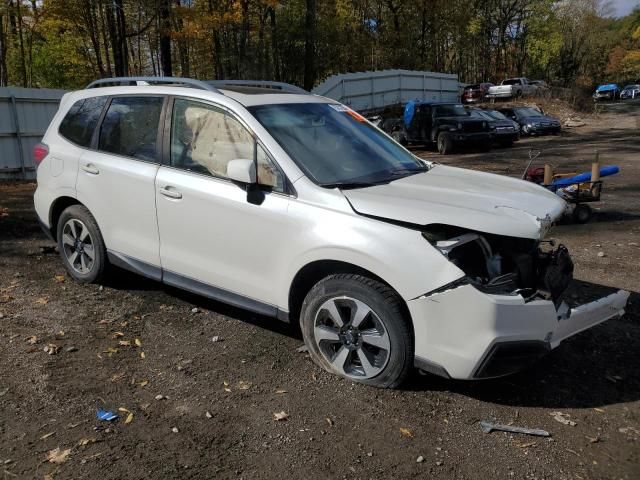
80, 121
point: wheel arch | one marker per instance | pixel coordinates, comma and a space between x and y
311, 273
57, 207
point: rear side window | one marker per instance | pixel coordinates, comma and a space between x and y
81, 120
130, 127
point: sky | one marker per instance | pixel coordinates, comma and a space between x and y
624, 7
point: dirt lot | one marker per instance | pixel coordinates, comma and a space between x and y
215, 419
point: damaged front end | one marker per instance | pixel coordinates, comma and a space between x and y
508, 309
502, 265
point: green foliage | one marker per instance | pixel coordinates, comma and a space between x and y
67, 43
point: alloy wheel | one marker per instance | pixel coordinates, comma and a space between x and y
78, 246
351, 337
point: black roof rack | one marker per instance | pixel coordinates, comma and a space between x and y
281, 86
176, 81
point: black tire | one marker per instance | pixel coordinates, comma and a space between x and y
386, 307
96, 271
399, 137
444, 143
582, 213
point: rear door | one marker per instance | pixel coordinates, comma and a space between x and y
116, 180
215, 238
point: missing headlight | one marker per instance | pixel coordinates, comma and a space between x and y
505, 265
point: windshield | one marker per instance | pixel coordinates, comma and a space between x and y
528, 112
335, 146
632, 87
495, 114
479, 114
511, 81
452, 110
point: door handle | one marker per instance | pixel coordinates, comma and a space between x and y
168, 192
90, 168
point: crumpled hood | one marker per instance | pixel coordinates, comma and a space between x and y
465, 198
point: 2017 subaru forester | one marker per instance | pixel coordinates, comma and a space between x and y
294, 206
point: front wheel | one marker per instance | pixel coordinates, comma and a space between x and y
355, 327
445, 143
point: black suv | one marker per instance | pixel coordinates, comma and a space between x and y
446, 124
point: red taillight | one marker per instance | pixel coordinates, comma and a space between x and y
40, 151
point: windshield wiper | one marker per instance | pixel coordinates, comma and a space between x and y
351, 185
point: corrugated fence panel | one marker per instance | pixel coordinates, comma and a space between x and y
25, 114
370, 91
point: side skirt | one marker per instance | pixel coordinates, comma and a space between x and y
195, 286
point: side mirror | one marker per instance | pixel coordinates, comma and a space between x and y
242, 170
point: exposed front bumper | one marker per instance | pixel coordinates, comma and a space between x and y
464, 333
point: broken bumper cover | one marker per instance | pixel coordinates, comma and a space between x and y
465, 334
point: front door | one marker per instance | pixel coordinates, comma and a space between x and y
213, 240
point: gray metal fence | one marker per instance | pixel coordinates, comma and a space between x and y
25, 114
371, 91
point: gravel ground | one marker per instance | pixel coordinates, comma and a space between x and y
199, 382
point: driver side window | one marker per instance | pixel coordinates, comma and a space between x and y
204, 139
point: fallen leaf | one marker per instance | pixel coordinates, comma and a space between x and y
280, 416
47, 435
228, 390
117, 376
595, 439
110, 351
59, 278
138, 342
129, 418
242, 385
122, 409
406, 432
142, 355
144, 383
281, 391
42, 300
124, 343
225, 383
52, 349
563, 418
86, 441
208, 414
329, 421
117, 335
527, 445
58, 456
32, 340
599, 410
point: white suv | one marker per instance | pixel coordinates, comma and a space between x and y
294, 206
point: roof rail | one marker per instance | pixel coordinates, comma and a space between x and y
284, 87
176, 81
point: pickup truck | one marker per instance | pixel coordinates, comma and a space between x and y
511, 88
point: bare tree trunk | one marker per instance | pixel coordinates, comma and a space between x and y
310, 45
23, 65
275, 54
4, 75
164, 15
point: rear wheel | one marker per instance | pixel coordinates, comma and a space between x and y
355, 327
81, 245
445, 143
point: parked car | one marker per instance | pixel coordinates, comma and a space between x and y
630, 91
511, 88
504, 131
446, 124
475, 93
532, 121
294, 206
610, 91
